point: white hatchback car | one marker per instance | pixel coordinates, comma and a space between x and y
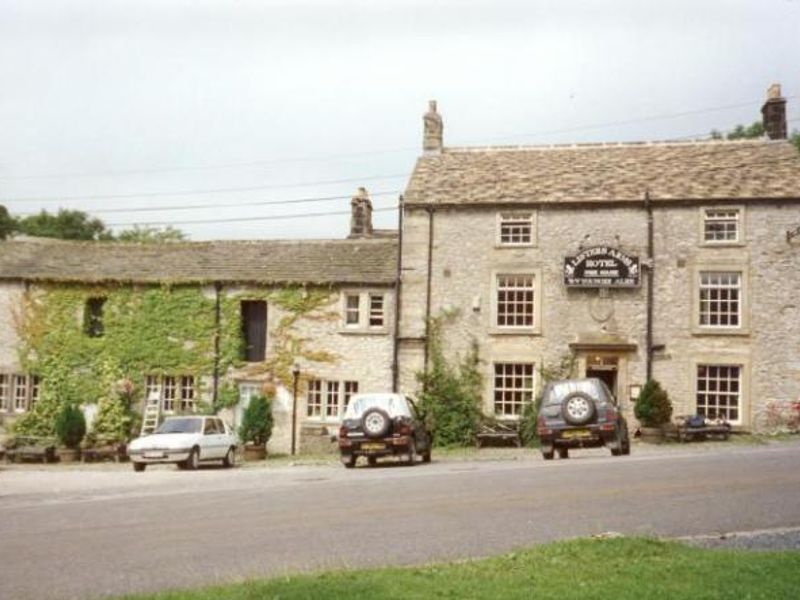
187, 441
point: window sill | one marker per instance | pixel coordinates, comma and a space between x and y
527, 331
514, 246
381, 331
712, 331
705, 244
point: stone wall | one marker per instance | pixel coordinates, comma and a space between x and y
466, 260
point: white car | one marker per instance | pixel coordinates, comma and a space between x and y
187, 441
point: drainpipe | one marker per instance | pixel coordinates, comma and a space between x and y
650, 268
428, 288
397, 288
217, 311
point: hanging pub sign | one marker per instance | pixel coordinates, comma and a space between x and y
601, 266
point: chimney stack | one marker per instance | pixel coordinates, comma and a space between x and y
774, 113
432, 136
360, 215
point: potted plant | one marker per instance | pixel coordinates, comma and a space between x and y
70, 426
653, 409
256, 427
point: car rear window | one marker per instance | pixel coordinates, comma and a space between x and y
396, 406
560, 390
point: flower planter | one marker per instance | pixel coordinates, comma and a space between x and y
253, 453
68, 455
652, 435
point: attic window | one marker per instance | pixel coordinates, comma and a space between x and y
93, 317
515, 229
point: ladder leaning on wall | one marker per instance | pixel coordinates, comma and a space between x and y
152, 412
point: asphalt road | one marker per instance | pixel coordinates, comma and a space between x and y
94, 533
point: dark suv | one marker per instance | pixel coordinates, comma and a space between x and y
378, 425
580, 413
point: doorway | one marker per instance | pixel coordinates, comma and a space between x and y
604, 368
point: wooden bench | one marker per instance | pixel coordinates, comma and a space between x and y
502, 431
29, 447
104, 450
685, 432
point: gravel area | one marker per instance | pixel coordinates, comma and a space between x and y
774, 539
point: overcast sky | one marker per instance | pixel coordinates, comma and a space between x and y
169, 104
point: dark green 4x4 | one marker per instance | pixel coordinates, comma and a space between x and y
580, 413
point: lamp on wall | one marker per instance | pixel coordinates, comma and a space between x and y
295, 379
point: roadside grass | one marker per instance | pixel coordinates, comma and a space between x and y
585, 568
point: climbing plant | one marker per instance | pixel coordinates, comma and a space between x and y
151, 330
451, 393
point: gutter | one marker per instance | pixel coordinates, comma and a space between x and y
217, 319
650, 282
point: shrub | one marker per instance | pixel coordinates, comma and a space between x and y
451, 395
257, 421
114, 421
70, 425
653, 407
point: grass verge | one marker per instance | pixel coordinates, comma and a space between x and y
587, 568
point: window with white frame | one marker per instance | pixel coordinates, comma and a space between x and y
174, 392
350, 388
719, 394
721, 225
327, 399
376, 316
314, 398
513, 388
720, 299
187, 393
5, 392
352, 310
515, 300
363, 311
20, 393
515, 229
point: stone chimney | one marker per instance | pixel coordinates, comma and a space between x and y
774, 113
432, 137
360, 215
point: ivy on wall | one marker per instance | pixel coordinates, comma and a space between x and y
158, 330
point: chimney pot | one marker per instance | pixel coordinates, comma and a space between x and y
774, 113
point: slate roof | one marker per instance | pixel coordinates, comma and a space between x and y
749, 169
361, 261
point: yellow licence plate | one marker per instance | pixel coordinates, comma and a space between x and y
373, 446
576, 433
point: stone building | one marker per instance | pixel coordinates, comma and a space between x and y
190, 322
676, 260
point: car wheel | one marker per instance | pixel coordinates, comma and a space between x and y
372, 461
617, 445
349, 461
139, 467
412, 453
547, 452
193, 461
563, 453
230, 458
426, 457
626, 444
578, 408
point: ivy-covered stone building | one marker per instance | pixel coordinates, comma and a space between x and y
201, 324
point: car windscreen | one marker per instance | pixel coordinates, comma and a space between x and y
396, 406
180, 426
560, 390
